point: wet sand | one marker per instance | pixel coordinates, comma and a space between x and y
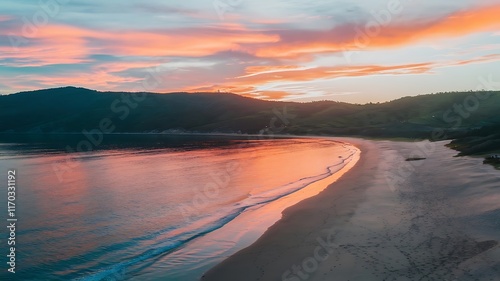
385, 219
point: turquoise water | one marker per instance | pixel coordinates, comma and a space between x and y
137, 206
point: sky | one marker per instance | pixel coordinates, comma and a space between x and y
354, 51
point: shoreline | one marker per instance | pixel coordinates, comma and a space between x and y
361, 228
294, 216
248, 226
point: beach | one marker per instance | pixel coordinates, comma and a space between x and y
385, 219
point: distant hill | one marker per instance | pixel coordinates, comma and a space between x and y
71, 110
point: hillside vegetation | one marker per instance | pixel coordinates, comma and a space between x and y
70, 109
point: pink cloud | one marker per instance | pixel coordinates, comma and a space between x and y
248, 84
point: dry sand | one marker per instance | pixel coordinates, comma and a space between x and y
385, 219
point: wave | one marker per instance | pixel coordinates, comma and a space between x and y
226, 215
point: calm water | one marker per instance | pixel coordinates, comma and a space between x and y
143, 207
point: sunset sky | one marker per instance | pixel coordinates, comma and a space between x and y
354, 51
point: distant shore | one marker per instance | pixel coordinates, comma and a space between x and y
367, 226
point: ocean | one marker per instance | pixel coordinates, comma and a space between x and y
153, 207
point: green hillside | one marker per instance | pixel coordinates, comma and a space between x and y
74, 109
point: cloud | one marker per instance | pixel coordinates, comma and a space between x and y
70, 44
483, 59
195, 51
67, 44
370, 35
270, 95
260, 69
248, 84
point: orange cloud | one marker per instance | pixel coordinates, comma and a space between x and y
465, 22
46, 45
354, 37
249, 84
95, 80
487, 58
194, 44
259, 69
332, 72
271, 95
62, 44
66, 44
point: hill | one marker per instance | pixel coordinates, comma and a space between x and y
70, 110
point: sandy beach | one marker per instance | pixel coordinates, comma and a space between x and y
385, 219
